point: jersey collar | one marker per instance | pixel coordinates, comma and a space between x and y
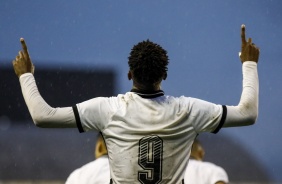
148, 94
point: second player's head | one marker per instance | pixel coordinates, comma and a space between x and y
197, 151
148, 63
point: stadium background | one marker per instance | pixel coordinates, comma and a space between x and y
94, 39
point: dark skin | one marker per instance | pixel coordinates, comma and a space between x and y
22, 64
144, 87
249, 51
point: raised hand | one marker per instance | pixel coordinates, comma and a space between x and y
249, 51
22, 64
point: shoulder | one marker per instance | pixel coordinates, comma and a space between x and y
206, 171
178, 99
92, 165
212, 166
191, 101
101, 160
104, 102
87, 166
205, 166
97, 171
76, 175
73, 177
217, 172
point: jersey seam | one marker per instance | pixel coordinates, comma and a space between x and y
222, 120
77, 119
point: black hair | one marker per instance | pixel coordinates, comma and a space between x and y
148, 62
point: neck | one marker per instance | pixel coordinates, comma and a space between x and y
142, 87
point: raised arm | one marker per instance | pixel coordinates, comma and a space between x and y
246, 112
42, 114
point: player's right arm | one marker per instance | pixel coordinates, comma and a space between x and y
246, 112
42, 114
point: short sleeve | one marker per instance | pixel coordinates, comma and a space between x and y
219, 174
206, 116
93, 114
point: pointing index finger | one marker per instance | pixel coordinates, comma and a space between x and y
23, 45
25, 51
243, 36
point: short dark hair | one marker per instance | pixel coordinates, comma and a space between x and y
148, 61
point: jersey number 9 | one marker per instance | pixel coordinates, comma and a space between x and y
150, 159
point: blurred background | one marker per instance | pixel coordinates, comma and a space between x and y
80, 50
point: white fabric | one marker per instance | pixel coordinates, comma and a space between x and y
95, 172
172, 123
168, 122
42, 114
246, 112
199, 172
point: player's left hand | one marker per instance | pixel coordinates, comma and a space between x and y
22, 64
249, 51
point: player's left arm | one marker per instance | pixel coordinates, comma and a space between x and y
42, 114
246, 112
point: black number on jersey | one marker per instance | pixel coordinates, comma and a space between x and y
150, 159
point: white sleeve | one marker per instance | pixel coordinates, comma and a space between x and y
73, 177
218, 174
94, 114
42, 114
246, 112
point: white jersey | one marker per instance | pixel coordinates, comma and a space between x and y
198, 172
149, 136
95, 172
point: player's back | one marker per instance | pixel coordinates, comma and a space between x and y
147, 139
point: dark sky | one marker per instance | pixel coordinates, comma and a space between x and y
202, 39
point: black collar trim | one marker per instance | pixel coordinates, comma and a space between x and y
148, 94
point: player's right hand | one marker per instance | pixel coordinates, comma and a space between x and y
22, 64
249, 51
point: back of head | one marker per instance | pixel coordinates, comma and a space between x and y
148, 63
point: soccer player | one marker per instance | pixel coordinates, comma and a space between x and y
200, 172
148, 134
95, 172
